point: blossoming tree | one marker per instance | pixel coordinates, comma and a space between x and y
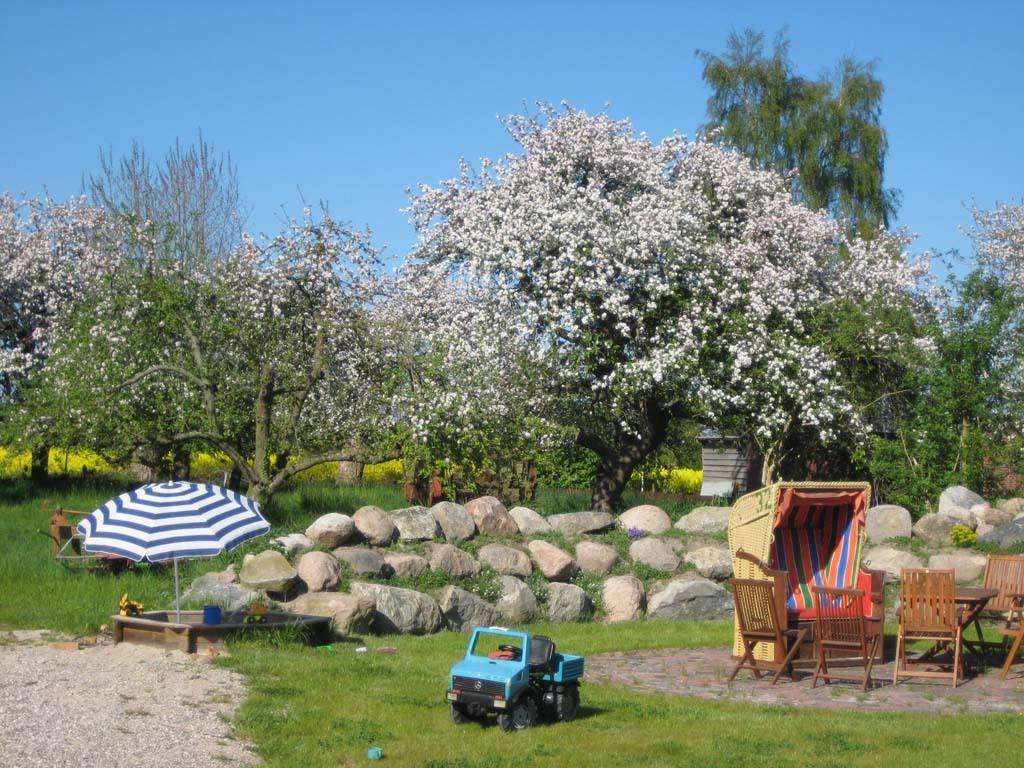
263, 355
658, 280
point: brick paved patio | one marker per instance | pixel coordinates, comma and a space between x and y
702, 673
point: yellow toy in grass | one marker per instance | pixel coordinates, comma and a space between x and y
129, 607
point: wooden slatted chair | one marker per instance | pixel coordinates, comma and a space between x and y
760, 621
928, 612
1014, 633
841, 629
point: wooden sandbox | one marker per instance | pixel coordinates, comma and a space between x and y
159, 628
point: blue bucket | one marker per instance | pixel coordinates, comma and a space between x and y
211, 614
374, 753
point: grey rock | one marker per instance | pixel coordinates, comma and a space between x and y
1013, 507
593, 557
454, 520
555, 564
567, 602
689, 599
375, 526
960, 516
400, 611
705, 520
491, 517
984, 528
319, 571
967, 567
655, 553
623, 598
461, 611
208, 590
415, 524
331, 530
1006, 535
529, 522
453, 561
891, 560
294, 543
712, 562
268, 571
406, 565
888, 521
362, 560
958, 496
228, 576
578, 523
647, 518
506, 560
993, 516
518, 604
350, 614
935, 528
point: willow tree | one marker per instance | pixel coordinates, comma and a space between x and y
653, 282
828, 130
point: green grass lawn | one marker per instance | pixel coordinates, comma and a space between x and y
310, 707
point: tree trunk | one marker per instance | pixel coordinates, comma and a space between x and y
40, 469
609, 482
349, 473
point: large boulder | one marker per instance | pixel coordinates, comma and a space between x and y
555, 564
1012, 507
958, 496
888, 521
268, 571
454, 520
529, 522
647, 518
623, 598
711, 562
891, 560
453, 561
994, 516
960, 516
415, 524
491, 517
593, 557
375, 526
1006, 535
319, 571
517, 604
578, 523
705, 520
362, 560
655, 553
505, 560
567, 602
331, 530
349, 614
461, 611
400, 611
688, 599
209, 590
935, 528
294, 543
406, 565
968, 567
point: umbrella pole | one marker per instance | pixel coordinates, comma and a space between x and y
177, 594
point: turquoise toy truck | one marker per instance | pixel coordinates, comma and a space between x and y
516, 675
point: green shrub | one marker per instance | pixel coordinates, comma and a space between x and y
962, 536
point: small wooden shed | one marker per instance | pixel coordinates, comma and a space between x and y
731, 465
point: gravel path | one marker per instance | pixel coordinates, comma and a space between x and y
114, 706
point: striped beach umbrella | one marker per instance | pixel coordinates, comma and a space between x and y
171, 521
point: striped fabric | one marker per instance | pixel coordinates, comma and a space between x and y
817, 545
168, 521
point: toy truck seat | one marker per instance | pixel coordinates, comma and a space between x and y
542, 653
812, 534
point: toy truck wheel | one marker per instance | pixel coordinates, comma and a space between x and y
523, 715
459, 714
567, 702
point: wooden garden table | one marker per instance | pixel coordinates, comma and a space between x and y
973, 601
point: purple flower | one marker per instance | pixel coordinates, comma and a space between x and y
635, 533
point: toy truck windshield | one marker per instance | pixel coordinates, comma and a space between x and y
490, 645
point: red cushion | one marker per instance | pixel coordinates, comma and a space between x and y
864, 583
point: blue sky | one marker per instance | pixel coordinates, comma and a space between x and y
352, 103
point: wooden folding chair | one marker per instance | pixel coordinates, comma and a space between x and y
928, 612
841, 628
1014, 633
759, 621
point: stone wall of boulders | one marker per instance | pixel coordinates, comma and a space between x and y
567, 567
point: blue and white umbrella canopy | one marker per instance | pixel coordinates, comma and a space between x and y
170, 521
